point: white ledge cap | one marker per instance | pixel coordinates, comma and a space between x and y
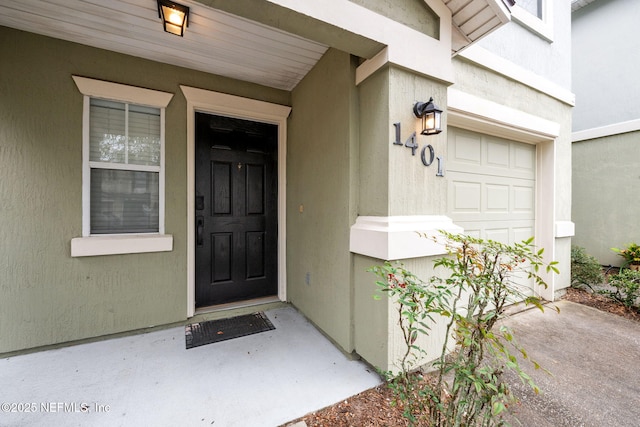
399, 237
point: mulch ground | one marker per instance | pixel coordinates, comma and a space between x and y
375, 408
601, 302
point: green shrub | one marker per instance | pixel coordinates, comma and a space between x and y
585, 269
627, 288
482, 281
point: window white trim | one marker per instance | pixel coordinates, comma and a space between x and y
120, 244
122, 93
542, 27
200, 100
89, 245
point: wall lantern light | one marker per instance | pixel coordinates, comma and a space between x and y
175, 17
430, 115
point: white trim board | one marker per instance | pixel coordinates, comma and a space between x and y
487, 59
114, 244
200, 100
481, 115
608, 130
397, 237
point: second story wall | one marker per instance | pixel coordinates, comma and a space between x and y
606, 59
540, 45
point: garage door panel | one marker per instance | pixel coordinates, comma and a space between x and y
467, 150
466, 196
522, 233
505, 231
481, 194
498, 154
497, 198
497, 234
525, 158
488, 155
491, 188
524, 199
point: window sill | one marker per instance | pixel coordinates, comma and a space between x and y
541, 27
121, 244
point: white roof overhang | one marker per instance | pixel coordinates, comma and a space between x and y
250, 47
472, 20
216, 42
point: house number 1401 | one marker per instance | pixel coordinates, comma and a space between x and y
412, 143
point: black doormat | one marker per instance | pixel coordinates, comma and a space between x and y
202, 333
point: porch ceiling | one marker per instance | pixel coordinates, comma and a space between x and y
215, 42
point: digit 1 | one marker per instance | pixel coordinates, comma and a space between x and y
397, 141
440, 166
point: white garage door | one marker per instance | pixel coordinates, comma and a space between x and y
491, 190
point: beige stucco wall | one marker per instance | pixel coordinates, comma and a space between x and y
321, 186
605, 184
47, 296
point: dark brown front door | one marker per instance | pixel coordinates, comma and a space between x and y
236, 210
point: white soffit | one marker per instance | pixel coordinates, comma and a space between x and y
215, 42
474, 19
579, 4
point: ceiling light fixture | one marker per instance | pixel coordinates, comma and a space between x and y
175, 17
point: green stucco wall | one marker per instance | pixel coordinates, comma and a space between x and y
47, 296
414, 188
321, 169
415, 14
392, 182
605, 186
373, 155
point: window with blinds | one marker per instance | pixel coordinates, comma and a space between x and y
125, 166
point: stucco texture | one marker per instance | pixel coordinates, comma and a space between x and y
47, 296
605, 185
321, 149
605, 59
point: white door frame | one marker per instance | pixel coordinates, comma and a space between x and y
200, 100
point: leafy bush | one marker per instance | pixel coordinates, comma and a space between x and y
469, 389
627, 288
585, 269
631, 254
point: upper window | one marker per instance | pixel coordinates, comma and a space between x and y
534, 7
536, 15
122, 168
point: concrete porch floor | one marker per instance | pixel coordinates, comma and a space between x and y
264, 379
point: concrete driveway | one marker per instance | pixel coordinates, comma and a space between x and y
595, 361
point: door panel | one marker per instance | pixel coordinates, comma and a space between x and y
236, 176
491, 188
